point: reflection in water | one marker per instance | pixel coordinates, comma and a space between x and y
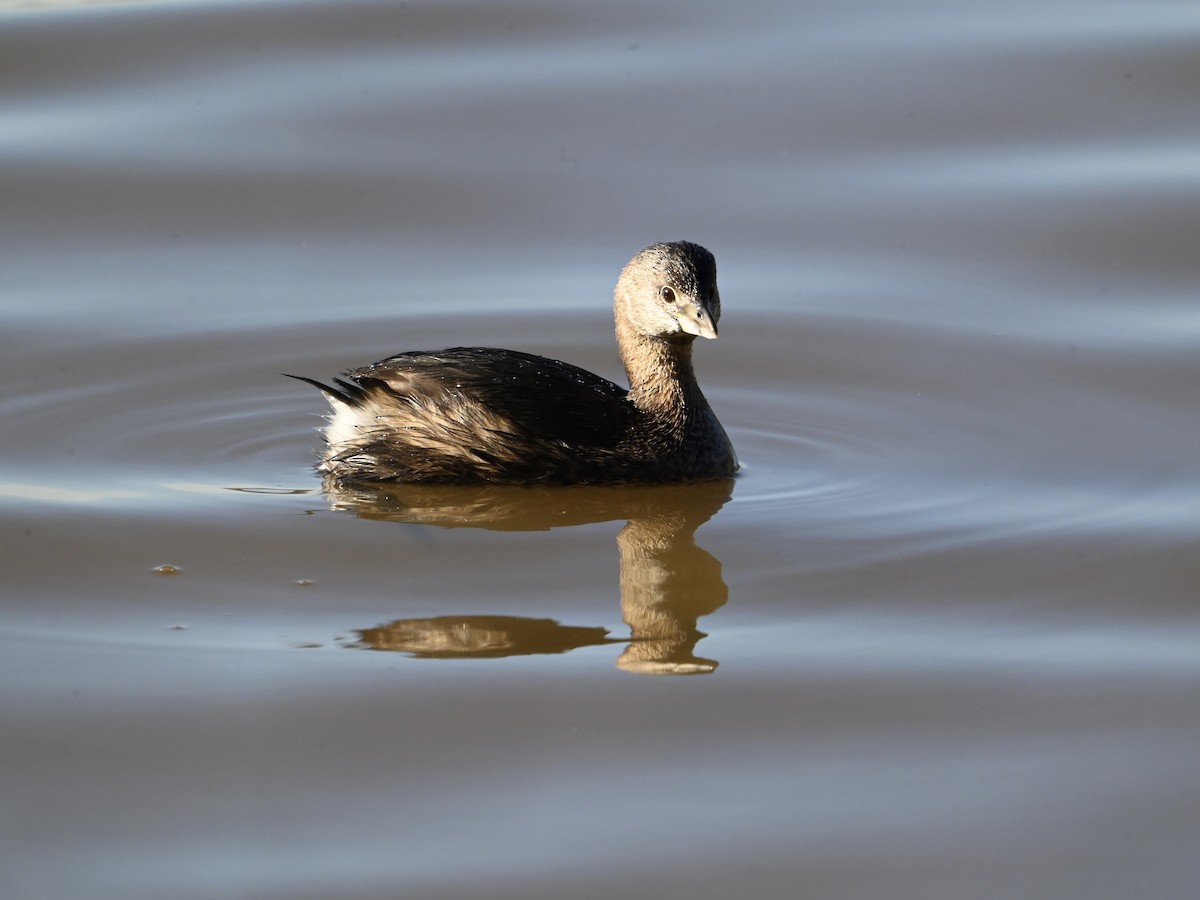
479, 637
667, 582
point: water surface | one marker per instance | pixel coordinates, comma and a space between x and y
937, 640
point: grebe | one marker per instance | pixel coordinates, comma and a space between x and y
479, 414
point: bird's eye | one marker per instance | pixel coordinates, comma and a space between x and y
667, 293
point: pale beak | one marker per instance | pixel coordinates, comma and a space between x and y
694, 319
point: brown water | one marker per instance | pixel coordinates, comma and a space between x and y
941, 636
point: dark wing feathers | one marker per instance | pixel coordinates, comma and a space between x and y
545, 399
352, 393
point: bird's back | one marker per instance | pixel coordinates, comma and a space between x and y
475, 414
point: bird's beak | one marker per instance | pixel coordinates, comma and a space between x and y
694, 319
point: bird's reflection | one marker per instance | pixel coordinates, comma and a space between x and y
480, 637
666, 581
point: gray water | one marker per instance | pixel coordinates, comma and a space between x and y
940, 637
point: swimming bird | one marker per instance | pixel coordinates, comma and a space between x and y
481, 414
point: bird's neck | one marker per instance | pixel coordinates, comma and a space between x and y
661, 378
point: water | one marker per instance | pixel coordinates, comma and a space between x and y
939, 638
